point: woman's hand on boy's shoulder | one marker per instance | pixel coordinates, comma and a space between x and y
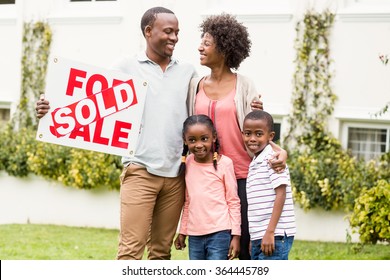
257, 104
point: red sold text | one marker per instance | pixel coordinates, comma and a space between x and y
75, 119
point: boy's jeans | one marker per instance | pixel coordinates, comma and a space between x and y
283, 246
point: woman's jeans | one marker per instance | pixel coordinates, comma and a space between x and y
214, 246
283, 246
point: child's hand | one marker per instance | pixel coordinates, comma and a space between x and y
234, 248
268, 244
180, 242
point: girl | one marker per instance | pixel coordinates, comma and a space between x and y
211, 213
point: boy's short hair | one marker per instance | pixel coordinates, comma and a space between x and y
261, 115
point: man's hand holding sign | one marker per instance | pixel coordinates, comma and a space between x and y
91, 108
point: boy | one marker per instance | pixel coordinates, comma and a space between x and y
270, 205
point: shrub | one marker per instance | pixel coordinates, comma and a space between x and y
21, 154
94, 170
371, 214
13, 151
333, 179
75, 167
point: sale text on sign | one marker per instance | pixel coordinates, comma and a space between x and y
92, 108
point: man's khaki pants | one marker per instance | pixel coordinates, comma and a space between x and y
149, 213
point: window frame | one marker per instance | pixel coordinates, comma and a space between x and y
364, 125
278, 120
8, 3
365, 11
92, 0
7, 106
8, 14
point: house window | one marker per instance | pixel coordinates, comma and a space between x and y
277, 132
90, 0
368, 142
4, 116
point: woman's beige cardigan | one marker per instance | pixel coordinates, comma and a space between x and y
245, 94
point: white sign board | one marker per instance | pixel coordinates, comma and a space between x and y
92, 108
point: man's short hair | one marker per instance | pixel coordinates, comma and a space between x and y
149, 16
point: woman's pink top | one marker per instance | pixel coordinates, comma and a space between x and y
224, 115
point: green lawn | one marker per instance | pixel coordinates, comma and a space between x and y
48, 242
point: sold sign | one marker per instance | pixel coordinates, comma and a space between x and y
91, 108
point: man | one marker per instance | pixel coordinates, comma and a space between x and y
152, 191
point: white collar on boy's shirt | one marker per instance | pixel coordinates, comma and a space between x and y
265, 152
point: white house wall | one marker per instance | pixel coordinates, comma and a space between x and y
10, 49
9, 61
361, 80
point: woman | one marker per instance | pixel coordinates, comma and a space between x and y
226, 97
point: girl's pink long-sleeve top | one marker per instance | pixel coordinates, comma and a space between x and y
211, 203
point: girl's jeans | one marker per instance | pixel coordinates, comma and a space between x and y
214, 246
